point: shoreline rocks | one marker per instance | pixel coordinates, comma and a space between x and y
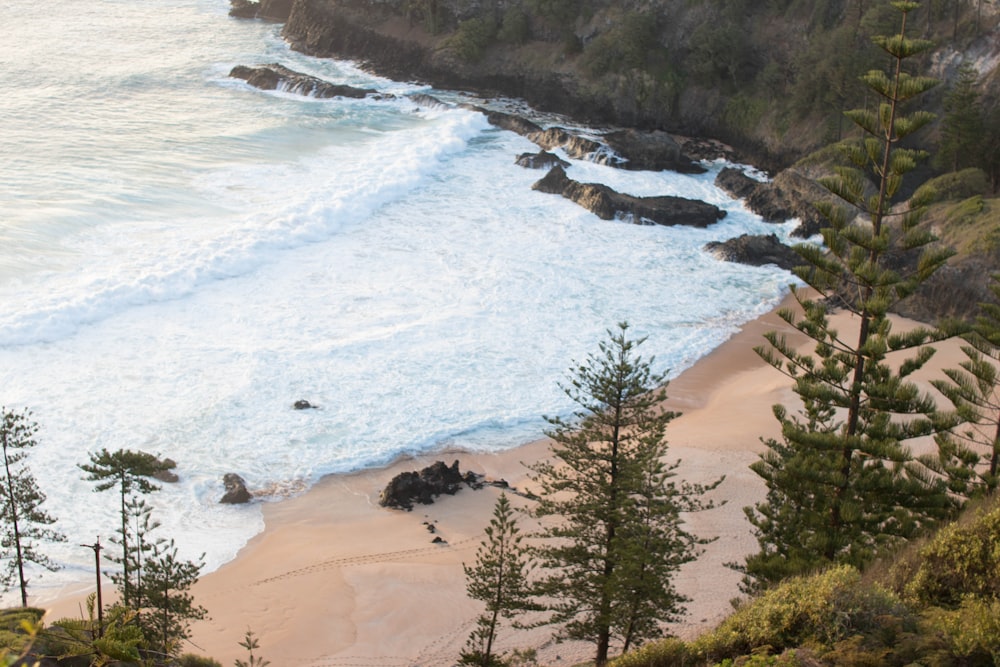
279, 77
422, 487
607, 204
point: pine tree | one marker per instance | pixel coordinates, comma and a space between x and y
130, 473
608, 562
25, 522
962, 123
499, 578
843, 481
166, 602
251, 643
974, 390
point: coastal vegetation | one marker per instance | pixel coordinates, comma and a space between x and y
843, 483
607, 565
24, 522
848, 570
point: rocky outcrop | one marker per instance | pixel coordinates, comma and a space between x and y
650, 151
788, 196
540, 160
303, 404
279, 77
270, 10
607, 204
422, 487
757, 250
165, 472
236, 492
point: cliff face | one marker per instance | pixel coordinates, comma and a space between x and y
771, 79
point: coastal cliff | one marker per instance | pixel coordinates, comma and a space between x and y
771, 81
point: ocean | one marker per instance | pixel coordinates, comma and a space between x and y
182, 257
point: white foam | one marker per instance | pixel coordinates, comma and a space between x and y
390, 264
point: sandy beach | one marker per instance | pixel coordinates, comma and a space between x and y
336, 580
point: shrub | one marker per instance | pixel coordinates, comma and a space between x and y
819, 609
959, 184
514, 28
971, 632
192, 660
962, 559
472, 38
670, 652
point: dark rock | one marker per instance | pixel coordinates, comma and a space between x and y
423, 99
166, 474
236, 490
274, 77
540, 160
650, 151
788, 196
271, 10
576, 147
608, 204
438, 540
422, 487
243, 9
755, 251
510, 122
303, 404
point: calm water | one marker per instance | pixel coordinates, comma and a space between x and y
182, 257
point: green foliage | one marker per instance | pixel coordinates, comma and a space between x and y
842, 482
251, 644
974, 390
24, 521
193, 660
670, 652
627, 45
743, 113
499, 578
165, 599
130, 472
819, 609
514, 27
17, 628
962, 184
608, 564
118, 640
962, 124
472, 38
971, 632
962, 560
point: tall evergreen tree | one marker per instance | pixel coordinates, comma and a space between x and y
843, 482
130, 473
166, 603
499, 578
974, 390
607, 565
24, 521
962, 123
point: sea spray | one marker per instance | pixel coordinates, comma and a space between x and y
186, 256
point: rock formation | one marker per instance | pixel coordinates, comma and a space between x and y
755, 251
279, 77
236, 490
788, 196
270, 10
422, 487
607, 204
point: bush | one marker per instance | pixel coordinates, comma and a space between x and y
958, 185
514, 28
963, 559
670, 652
971, 632
192, 660
472, 38
819, 609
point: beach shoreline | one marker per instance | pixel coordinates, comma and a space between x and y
335, 579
